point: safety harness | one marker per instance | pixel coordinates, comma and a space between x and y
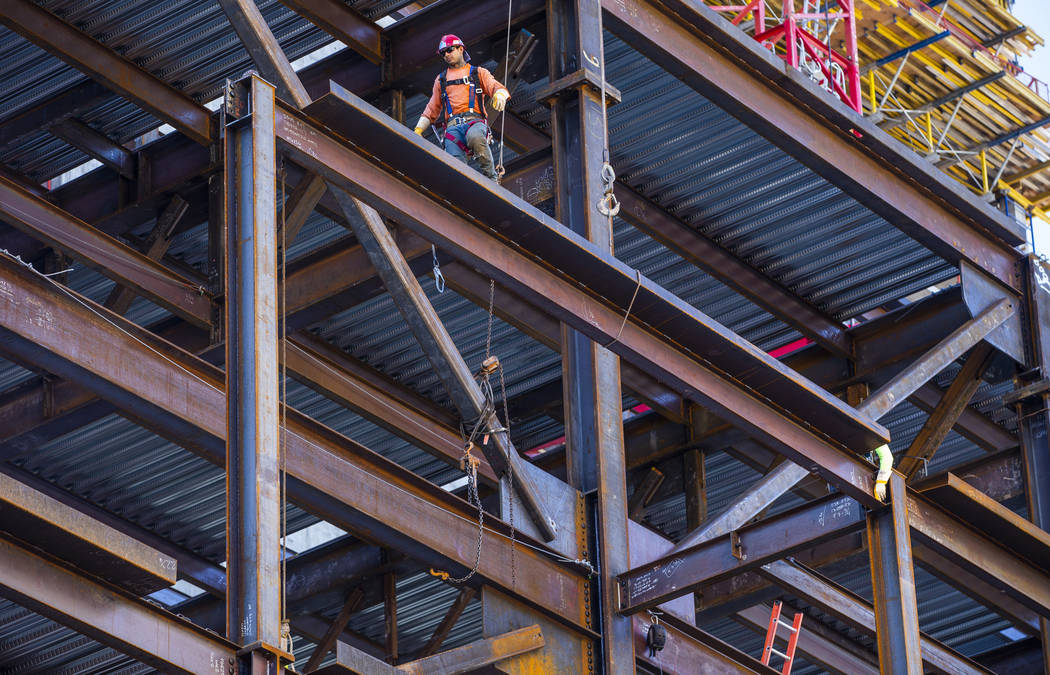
476, 92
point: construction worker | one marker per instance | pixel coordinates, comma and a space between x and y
459, 97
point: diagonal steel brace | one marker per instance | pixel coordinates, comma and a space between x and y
408, 295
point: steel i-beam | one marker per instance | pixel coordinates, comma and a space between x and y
252, 465
437, 344
893, 581
590, 372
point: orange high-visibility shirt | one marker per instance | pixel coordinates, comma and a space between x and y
459, 95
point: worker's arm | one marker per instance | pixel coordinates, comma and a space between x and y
433, 109
493, 89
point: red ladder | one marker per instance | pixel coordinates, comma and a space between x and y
771, 634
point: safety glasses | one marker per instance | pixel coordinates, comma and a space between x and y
446, 50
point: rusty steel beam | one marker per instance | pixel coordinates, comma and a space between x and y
577, 259
893, 583
542, 327
113, 617
264, 50
103, 64
40, 520
687, 242
477, 654
156, 245
644, 493
971, 424
188, 565
948, 410
103, 253
447, 622
742, 550
786, 476
327, 642
311, 145
695, 45
988, 594
383, 401
754, 501
73, 101
591, 388
988, 560
253, 467
444, 356
816, 648
468, 658
690, 650
857, 613
936, 359
297, 207
390, 615
97, 145
344, 24
183, 398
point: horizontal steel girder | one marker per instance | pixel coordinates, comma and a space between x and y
103, 64
473, 200
857, 612
311, 145
103, 253
749, 547
692, 43
92, 546
114, 618
183, 399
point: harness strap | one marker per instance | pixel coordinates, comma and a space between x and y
472, 81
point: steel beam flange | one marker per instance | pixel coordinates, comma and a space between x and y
980, 292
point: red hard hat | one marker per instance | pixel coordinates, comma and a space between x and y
452, 41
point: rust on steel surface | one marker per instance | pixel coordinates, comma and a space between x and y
114, 71
576, 259
92, 546
856, 612
113, 617
104, 253
1019, 535
342, 23
691, 42
744, 549
328, 370
311, 145
978, 554
182, 397
893, 584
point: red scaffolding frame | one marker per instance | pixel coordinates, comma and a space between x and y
800, 42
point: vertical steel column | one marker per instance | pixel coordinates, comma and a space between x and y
591, 373
893, 583
253, 506
1033, 414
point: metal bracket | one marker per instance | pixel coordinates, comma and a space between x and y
737, 546
267, 650
572, 82
981, 292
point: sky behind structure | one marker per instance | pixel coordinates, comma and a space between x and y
1036, 15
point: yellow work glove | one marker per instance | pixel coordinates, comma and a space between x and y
885, 469
499, 100
422, 125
